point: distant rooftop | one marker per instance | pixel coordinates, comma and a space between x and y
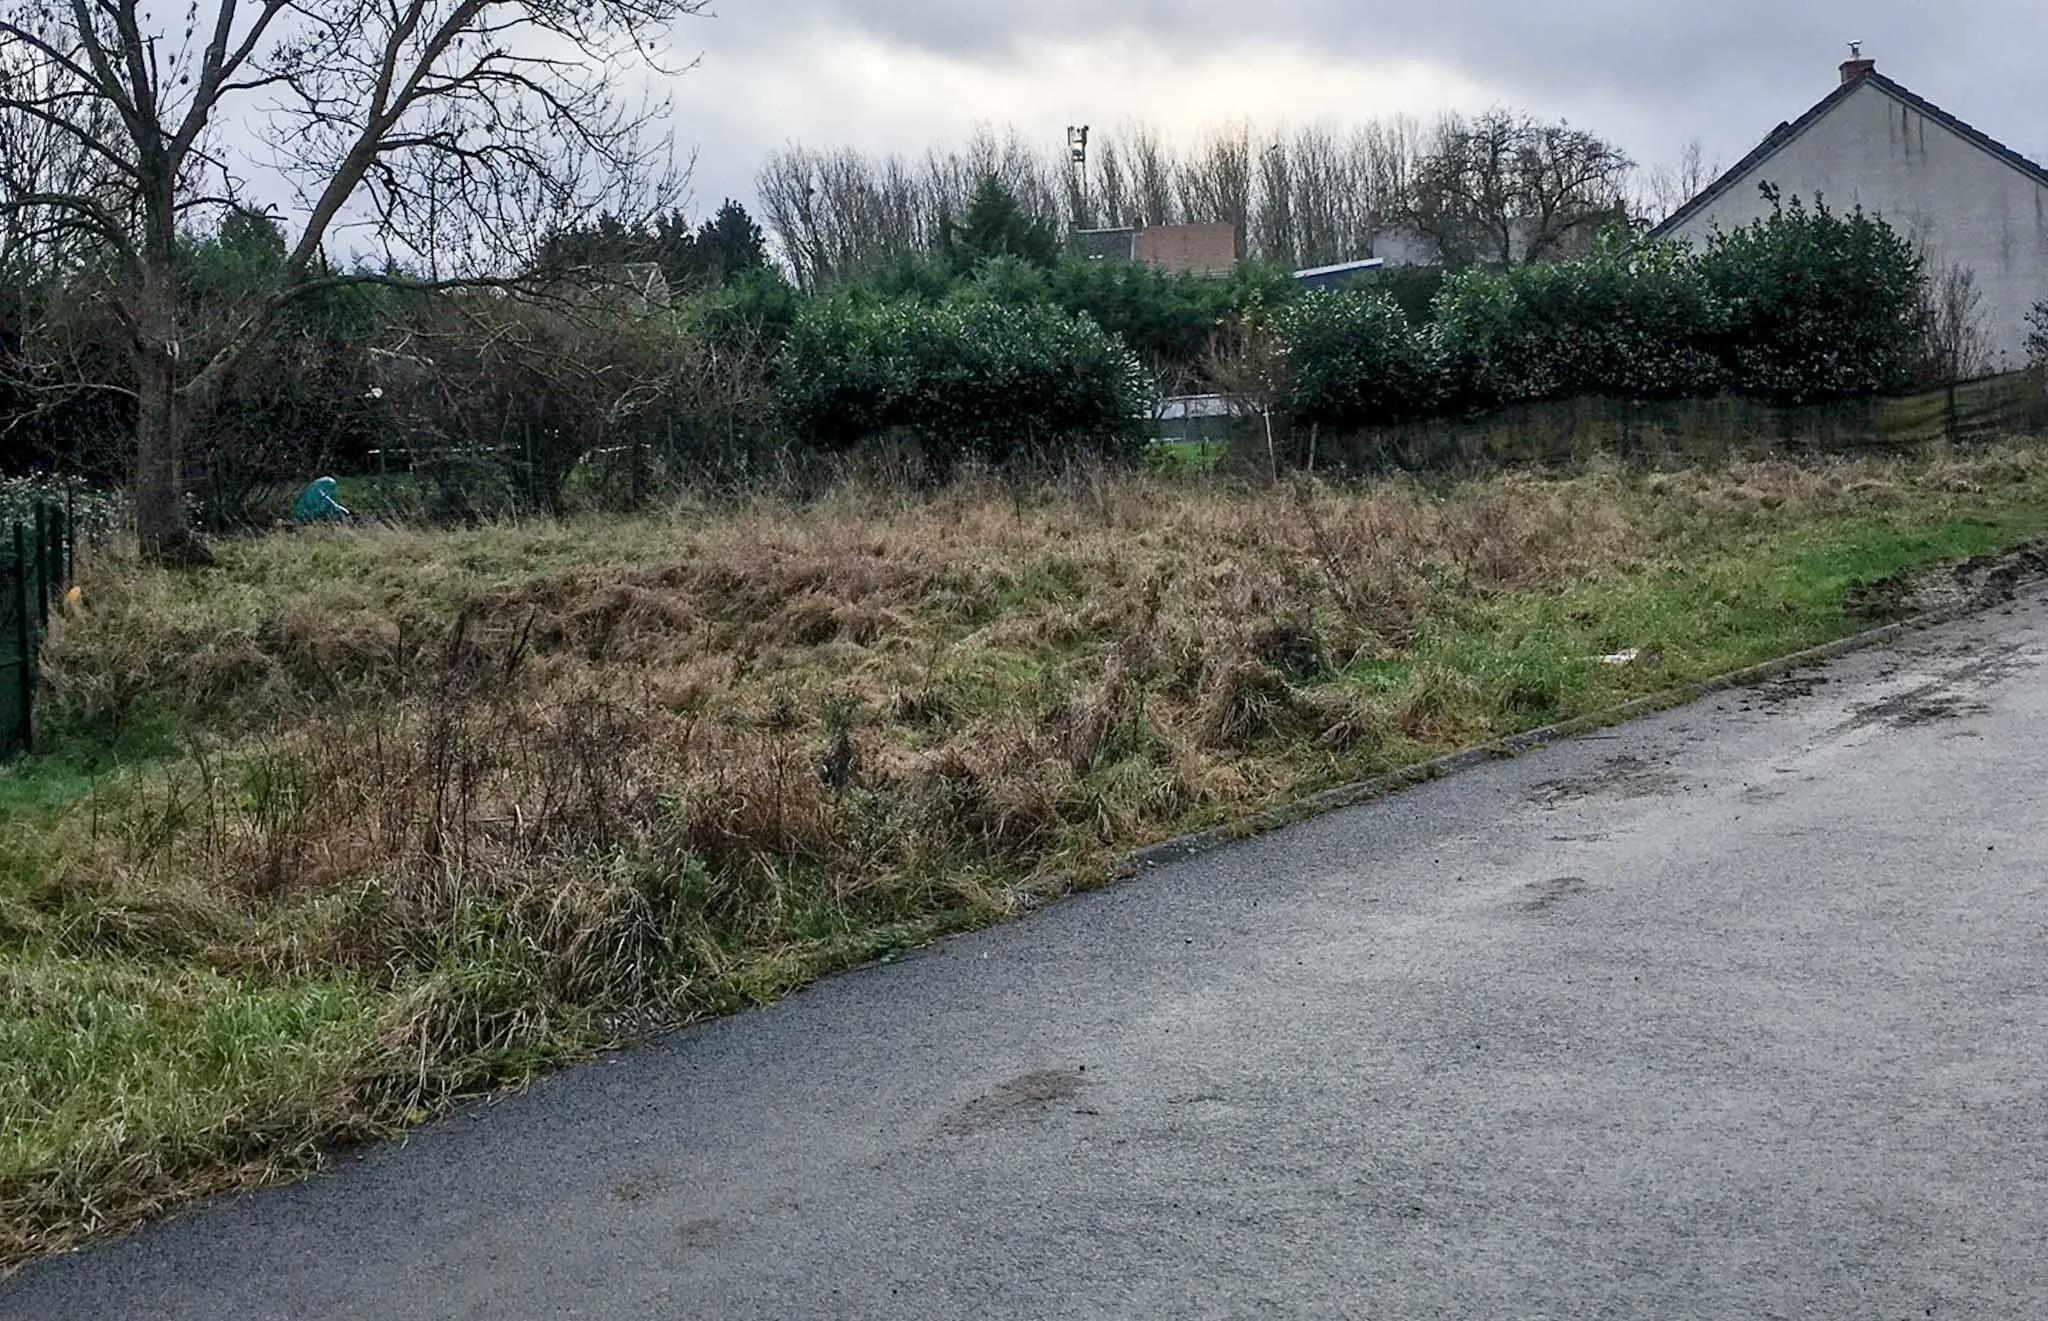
1333, 277
1857, 74
1341, 268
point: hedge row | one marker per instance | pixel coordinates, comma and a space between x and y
1801, 306
972, 380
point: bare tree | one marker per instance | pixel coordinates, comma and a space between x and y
1506, 188
38, 158
1323, 197
1309, 196
1112, 187
1954, 344
1154, 200
1273, 230
1661, 191
784, 189
1386, 152
1324, 201
447, 131
836, 215
1216, 182
1694, 174
40, 250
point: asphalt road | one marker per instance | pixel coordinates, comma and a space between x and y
1740, 1012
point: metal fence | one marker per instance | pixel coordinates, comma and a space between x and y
1706, 430
1673, 430
37, 554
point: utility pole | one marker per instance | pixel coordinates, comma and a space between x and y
1077, 157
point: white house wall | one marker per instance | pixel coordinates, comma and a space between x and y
1961, 203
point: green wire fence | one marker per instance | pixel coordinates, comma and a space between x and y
37, 555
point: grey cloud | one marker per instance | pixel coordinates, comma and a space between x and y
1613, 45
1650, 76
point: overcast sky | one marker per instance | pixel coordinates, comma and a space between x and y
901, 75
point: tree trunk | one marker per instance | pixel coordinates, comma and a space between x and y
159, 440
160, 407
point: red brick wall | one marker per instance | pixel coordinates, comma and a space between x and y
1201, 249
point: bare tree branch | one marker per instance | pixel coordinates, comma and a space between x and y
1504, 188
456, 133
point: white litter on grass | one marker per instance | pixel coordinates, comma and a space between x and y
1629, 657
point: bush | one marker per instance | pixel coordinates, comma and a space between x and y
1820, 306
967, 380
1637, 325
96, 513
1801, 306
1352, 360
499, 401
1413, 287
1004, 282
751, 310
1168, 319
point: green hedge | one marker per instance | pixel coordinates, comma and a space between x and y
1644, 324
1351, 359
1819, 306
980, 380
1801, 306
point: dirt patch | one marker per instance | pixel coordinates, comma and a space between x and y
1541, 896
1786, 689
1981, 580
700, 1233
1027, 1096
1924, 705
636, 1190
1947, 695
1622, 777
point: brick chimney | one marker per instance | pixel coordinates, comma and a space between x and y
1855, 68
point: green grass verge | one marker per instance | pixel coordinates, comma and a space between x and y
1783, 594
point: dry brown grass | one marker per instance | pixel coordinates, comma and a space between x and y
505, 795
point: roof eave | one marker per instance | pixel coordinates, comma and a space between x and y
1787, 133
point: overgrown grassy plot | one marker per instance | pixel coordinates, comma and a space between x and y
360, 822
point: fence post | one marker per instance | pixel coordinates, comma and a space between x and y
42, 563
25, 676
60, 559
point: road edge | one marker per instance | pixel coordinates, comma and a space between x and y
1196, 843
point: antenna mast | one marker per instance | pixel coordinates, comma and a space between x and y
1077, 157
